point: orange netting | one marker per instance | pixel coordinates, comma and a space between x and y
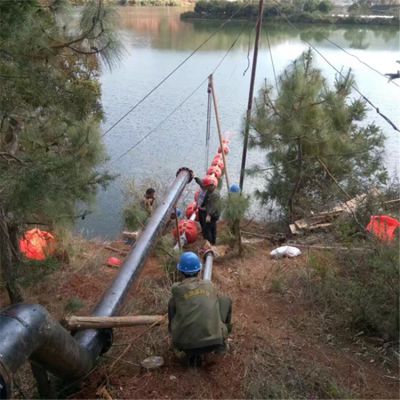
37, 244
383, 227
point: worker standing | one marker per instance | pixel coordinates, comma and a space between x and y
148, 200
198, 319
208, 204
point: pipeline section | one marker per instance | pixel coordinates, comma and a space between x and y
208, 265
115, 295
28, 331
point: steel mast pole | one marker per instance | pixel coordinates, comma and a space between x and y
251, 91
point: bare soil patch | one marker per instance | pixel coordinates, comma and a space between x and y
279, 347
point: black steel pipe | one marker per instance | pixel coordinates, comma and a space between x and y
115, 295
208, 265
29, 331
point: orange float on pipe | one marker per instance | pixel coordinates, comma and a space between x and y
226, 149
187, 227
191, 209
215, 170
218, 162
210, 180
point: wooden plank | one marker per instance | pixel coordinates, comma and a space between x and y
119, 251
76, 322
130, 235
318, 247
293, 229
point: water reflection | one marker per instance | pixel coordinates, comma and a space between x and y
167, 31
157, 41
357, 38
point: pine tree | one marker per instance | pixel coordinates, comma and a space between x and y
50, 113
315, 147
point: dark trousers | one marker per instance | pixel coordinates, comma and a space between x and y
209, 229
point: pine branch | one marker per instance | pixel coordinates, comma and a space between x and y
10, 157
84, 35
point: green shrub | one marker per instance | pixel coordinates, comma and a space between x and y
30, 272
325, 6
135, 216
234, 207
360, 288
74, 304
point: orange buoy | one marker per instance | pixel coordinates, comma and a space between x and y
187, 227
114, 262
209, 180
226, 149
192, 209
218, 162
215, 170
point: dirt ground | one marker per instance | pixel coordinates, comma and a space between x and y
279, 347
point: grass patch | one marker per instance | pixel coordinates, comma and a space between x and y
282, 376
31, 272
360, 290
73, 304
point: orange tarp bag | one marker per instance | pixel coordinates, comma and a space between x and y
383, 227
37, 244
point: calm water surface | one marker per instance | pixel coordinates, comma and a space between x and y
156, 41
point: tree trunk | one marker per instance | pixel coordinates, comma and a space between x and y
6, 261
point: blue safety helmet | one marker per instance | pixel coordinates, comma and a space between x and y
189, 263
234, 188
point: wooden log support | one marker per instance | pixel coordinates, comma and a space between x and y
130, 235
74, 322
119, 251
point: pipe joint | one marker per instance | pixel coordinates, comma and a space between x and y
208, 252
191, 175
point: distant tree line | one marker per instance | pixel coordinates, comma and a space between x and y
218, 8
307, 11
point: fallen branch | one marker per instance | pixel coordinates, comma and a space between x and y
119, 251
75, 322
263, 236
316, 247
130, 235
102, 391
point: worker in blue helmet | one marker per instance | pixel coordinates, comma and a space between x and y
199, 320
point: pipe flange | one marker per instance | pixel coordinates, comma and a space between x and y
207, 253
188, 170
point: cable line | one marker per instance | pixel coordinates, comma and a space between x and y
352, 55
174, 70
208, 125
359, 59
272, 62
366, 99
182, 103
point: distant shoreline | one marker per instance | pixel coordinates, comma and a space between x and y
307, 19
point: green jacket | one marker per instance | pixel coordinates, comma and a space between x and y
195, 318
212, 201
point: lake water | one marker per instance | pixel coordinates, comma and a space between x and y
156, 41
